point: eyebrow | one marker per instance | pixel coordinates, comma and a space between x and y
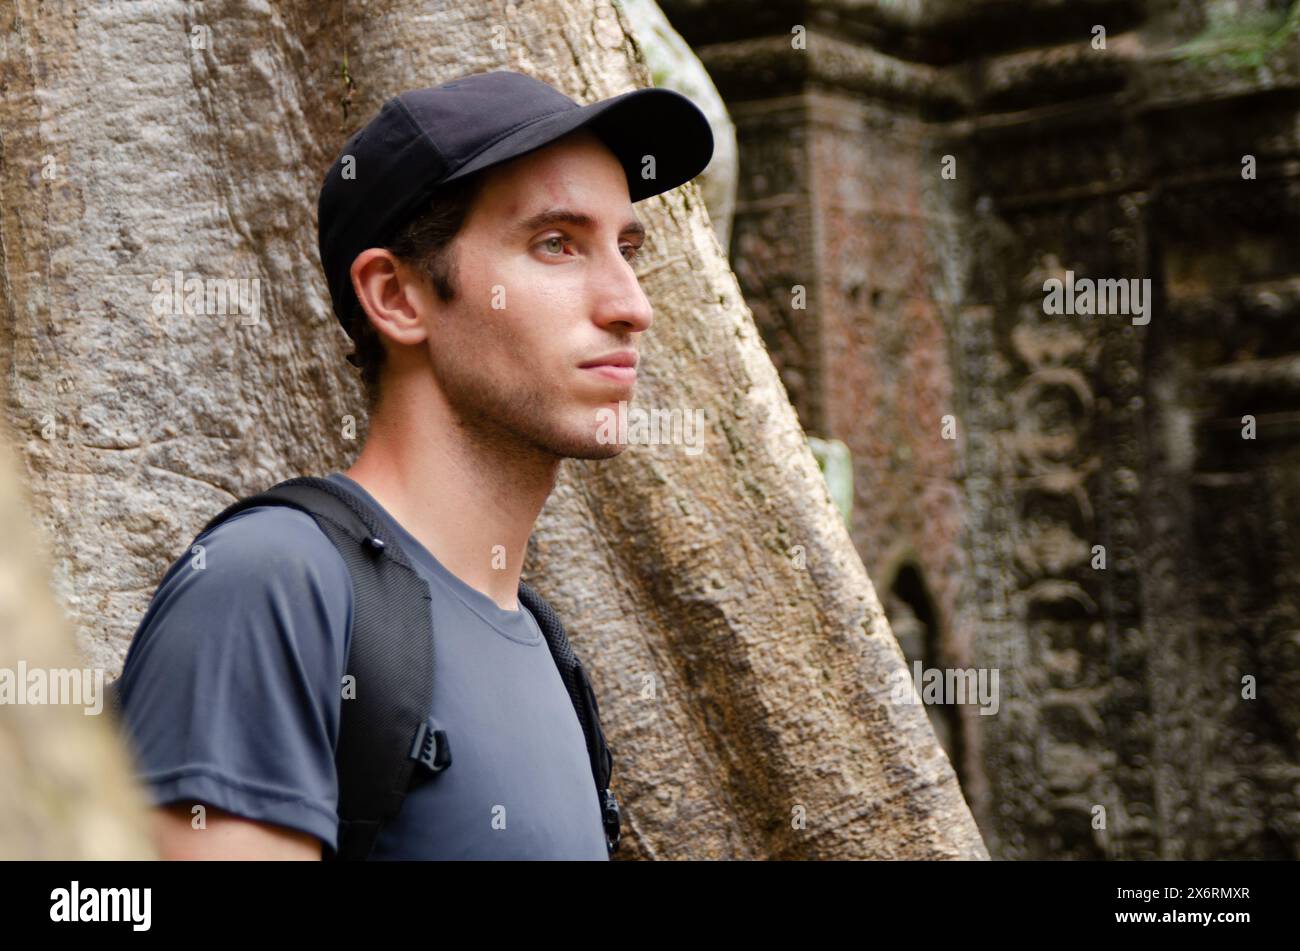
552, 216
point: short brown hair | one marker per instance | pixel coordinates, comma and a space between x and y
423, 243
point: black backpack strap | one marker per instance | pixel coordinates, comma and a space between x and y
387, 737
584, 702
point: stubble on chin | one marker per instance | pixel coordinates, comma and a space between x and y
513, 421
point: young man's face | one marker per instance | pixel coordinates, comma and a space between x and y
542, 303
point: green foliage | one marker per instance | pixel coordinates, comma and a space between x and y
1246, 42
836, 463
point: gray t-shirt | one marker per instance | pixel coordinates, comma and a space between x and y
231, 695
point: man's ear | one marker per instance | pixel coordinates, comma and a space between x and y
391, 295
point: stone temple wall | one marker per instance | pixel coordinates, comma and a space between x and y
1105, 508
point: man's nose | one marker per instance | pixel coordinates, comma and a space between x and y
620, 303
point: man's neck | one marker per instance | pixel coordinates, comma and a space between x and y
471, 504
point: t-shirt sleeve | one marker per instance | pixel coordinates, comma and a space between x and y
231, 689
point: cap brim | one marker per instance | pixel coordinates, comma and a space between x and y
644, 123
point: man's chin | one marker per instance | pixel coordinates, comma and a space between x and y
602, 441
594, 449
586, 433
577, 443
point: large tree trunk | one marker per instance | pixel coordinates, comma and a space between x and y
738, 649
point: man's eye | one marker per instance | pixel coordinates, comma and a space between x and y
556, 243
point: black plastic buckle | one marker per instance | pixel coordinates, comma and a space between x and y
430, 748
610, 817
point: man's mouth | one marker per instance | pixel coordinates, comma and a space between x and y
619, 366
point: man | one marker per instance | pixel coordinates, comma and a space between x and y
478, 240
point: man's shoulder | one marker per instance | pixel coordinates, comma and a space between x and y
264, 573
273, 554
269, 519
269, 537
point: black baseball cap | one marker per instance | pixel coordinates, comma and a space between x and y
428, 137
